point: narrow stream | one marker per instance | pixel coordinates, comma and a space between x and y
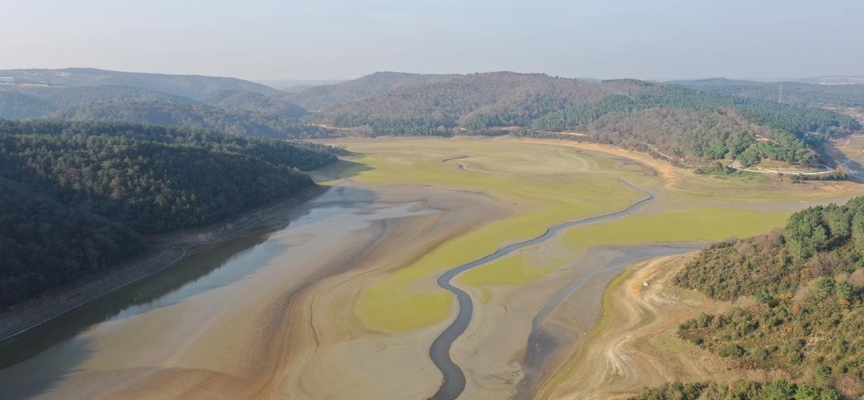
439, 352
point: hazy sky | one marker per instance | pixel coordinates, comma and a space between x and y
324, 39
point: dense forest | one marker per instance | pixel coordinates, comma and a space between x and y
807, 279
797, 94
100, 185
244, 123
44, 243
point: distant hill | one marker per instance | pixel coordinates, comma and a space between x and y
298, 85
320, 98
475, 102
833, 80
36, 102
192, 86
73, 96
794, 93
255, 102
75, 197
238, 122
238, 112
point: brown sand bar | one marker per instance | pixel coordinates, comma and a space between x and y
274, 320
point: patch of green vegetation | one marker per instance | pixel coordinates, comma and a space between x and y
390, 306
686, 225
514, 270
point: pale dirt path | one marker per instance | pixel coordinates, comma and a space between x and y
635, 344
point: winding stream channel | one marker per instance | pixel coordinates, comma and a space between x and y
439, 352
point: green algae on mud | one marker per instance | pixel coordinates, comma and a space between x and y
544, 185
514, 270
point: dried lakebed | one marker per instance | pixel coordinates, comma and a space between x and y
233, 319
454, 378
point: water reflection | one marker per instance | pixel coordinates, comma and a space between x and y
32, 363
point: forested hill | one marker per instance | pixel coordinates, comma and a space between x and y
21, 101
798, 94
36, 102
236, 121
191, 86
700, 126
474, 102
14, 104
75, 197
319, 98
809, 282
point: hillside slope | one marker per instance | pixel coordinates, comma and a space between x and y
77, 195
474, 101
255, 102
319, 98
16, 105
809, 283
188, 115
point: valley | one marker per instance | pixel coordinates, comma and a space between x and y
346, 287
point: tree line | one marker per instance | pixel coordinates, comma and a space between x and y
744, 390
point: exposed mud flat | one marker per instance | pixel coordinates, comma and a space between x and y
273, 318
